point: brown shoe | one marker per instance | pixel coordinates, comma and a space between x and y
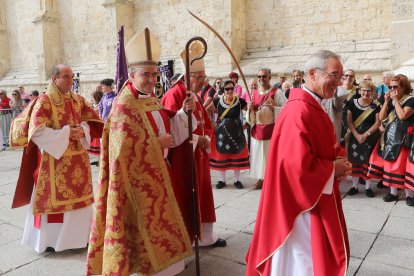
258, 185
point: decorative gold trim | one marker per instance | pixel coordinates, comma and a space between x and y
143, 106
55, 201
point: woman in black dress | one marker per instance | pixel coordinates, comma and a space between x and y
363, 123
228, 146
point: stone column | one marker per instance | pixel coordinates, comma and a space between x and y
402, 33
48, 38
118, 13
4, 42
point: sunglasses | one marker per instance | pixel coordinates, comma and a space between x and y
14, 94
228, 88
261, 76
349, 76
391, 87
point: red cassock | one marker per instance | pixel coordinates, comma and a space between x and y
301, 155
173, 100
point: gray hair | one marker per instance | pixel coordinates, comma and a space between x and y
388, 74
3, 92
56, 69
318, 60
267, 70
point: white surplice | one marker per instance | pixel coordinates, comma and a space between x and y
75, 229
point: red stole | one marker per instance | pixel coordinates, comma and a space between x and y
262, 132
301, 155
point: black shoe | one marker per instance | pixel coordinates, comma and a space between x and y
94, 163
238, 185
220, 185
390, 197
352, 191
380, 185
369, 193
50, 249
361, 181
409, 201
219, 243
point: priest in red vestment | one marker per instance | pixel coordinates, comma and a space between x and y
173, 100
55, 178
300, 227
138, 226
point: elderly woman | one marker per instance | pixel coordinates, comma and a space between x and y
363, 123
17, 103
229, 150
398, 113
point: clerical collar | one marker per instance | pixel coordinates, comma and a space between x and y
313, 94
141, 94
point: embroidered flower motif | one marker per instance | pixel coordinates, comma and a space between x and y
373, 105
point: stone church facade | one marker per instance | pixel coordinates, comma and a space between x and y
372, 36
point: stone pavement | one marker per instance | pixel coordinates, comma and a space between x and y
381, 234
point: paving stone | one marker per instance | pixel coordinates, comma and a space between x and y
369, 268
224, 233
360, 243
400, 209
398, 227
223, 196
234, 219
250, 228
15, 217
360, 202
393, 252
248, 201
354, 263
214, 266
9, 233
367, 221
236, 248
14, 254
65, 263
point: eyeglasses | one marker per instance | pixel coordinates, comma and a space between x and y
391, 87
367, 79
331, 75
149, 75
228, 88
261, 76
199, 78
366, 90
349, 76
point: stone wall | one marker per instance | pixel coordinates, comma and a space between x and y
371, 36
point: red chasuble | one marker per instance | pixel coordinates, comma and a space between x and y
61, 185
173, 100
137, 225
301, 155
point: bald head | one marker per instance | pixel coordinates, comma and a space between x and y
62, 76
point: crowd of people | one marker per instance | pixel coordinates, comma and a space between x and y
143, 216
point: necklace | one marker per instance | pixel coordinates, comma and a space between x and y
361, 104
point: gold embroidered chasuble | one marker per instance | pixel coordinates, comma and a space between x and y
63, 184
137, 224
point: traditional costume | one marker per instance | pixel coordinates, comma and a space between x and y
363, 118
394, 149
138, 226
60, 212
262, 120
351, 94
300, 227
228, 145
173, 100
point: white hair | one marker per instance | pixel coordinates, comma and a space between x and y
318, 60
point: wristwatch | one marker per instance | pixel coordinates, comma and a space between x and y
369, 133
